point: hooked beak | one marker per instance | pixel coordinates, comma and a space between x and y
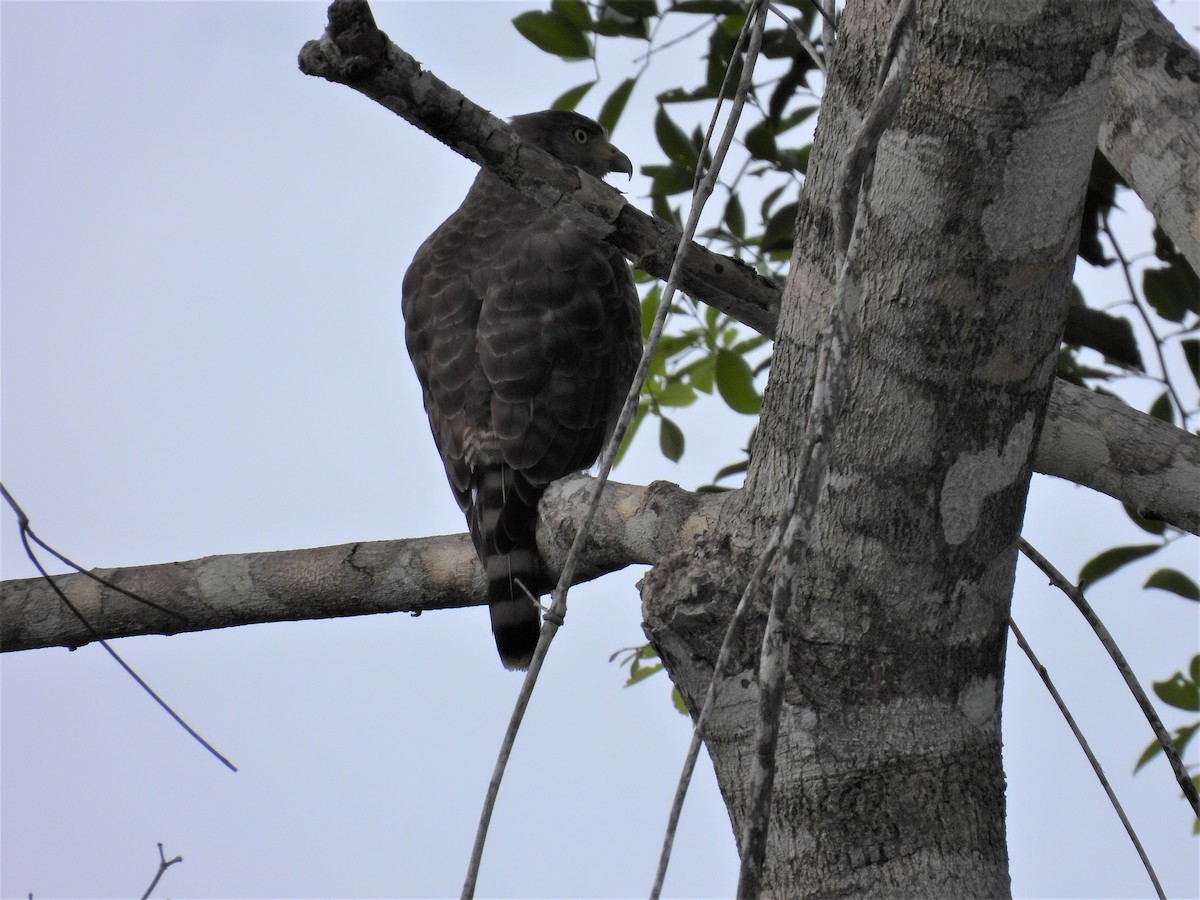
618, 161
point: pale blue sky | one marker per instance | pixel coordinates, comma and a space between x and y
202, 354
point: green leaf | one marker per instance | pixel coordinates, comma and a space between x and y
641, 673
634, 9
1162, 408
575, 11
1152, 750
1153, 526
721, 44
735, 382
737, 468
670, 439
661, 208
554, 33
705, 6
745, 345
1174, 581
610, 112
1180, 739
1108, 334
794, 118
668, 180
629, 433
781, 228
761, 142
1191, 352
679, 95
1194, 667
570, 99
1110, 560
674, 142
734, 217
700, 373
677, 699
650, 309
625, 19
1180, 692
769, 202
1168, 290
676, 393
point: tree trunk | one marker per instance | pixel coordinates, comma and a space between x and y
889, 780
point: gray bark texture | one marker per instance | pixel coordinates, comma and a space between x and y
888, 778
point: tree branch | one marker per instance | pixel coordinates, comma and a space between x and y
1151, 127
354, 52
1089, 439
635, 524
1093, 446
1096, 440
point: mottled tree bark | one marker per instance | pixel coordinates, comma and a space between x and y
889, 780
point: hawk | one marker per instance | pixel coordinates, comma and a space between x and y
524, 333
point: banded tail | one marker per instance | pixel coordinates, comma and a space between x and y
503, 520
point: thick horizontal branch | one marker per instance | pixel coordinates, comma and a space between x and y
1098, 441
1151, 127
354, 52
635, 524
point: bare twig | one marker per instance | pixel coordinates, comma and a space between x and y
557, 612
801, 38
163, 865
1135, 299
1118, 658
1087, 750
28, 535
828, 26
829, 391
23, 524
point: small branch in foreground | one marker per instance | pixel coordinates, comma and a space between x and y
702, 190
1106, 639
638, 524
28, 535
163, 865
1087, 750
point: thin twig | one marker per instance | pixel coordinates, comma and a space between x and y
23, 523
558, 608
891, 82
828, 27
801, 38
1118, 658
830, 389
27, 534
163, 865
751, 38
723, 656
1087, 750
1154, 338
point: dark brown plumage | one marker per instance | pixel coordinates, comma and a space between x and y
525, 334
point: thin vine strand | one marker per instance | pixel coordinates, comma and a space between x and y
1087, 750
1106, 639
556, 615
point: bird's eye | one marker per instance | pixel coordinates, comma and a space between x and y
580, 135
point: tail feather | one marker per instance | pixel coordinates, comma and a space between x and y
503, 526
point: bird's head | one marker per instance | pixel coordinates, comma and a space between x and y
574, 139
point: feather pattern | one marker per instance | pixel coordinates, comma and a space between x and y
524, 333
